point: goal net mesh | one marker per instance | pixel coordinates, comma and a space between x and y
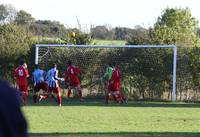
146, 72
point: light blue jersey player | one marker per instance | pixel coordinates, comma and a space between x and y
53, 82
38, 75
39, 82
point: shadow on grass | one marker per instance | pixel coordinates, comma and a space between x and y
118, 134
100, 103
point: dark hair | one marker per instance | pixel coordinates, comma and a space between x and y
36, 66
110, 64
54, 65
69, 62
21, 62
114, 64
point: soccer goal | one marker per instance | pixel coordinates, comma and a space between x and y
148, 71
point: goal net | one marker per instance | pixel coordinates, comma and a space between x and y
148, 71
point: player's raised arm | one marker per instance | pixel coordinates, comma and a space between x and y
26, 70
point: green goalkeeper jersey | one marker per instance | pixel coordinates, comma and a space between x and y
107, 76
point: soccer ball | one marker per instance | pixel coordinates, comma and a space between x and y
73, 34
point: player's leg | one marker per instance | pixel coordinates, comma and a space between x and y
45, 94
69, 91
35, 90
34, 97
59, 97
80, 92
68, 87
116, 93
124, 97
108, 89
118, 97
23, 89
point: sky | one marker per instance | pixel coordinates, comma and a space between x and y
116, 13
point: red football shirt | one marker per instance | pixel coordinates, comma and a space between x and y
21, 75
72, 75
116, 76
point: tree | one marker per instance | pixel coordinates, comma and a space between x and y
23, 18
175, 26
7, 13
3, 13
194, 65
102, 32
139, 36
123, 33
48, 28
15, 44
198, 32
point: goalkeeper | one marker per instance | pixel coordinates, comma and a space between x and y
108, 74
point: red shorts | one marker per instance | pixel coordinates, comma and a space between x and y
114, 86
74, 84
23, 88
39, 86
54, 89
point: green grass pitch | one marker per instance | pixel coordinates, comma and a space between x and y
94, 119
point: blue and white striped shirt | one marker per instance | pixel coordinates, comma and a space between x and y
52, 77
38, 76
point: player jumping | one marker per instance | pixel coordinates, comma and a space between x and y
71, 78
114, 84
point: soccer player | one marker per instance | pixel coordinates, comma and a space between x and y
21, 74
114, 84
71, 78
53, 82
39, 83
124, 90
105, 79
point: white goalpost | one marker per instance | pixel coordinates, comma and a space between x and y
130, 55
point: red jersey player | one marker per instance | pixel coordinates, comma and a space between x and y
21, 74
114, 84
71, 78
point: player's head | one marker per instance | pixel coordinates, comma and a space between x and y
109, 64
114, 64
21, 62
54, 65
69, 62
36, 66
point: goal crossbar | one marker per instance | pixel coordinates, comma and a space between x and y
37, 46
106, 46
